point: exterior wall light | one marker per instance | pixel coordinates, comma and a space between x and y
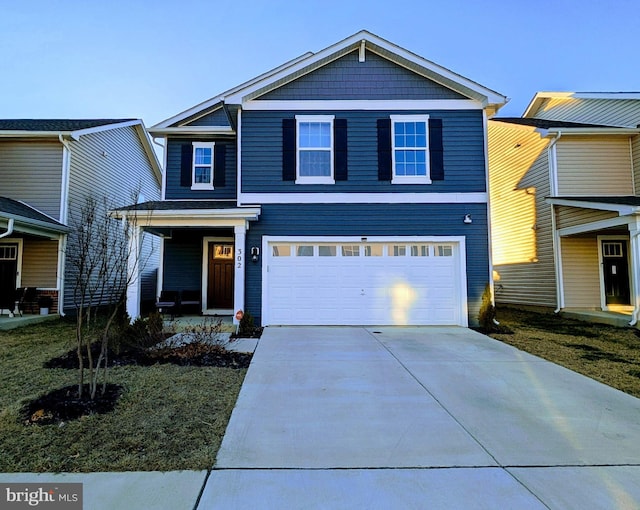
255, 253
467, 219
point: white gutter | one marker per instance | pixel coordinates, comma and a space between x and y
9, 228
557, 250
239, 159
64, 212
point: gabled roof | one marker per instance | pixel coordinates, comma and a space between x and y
540, 98
73, 129
308, 62
28, 219
55, 124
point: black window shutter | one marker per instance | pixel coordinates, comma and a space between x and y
436, 154
384, 149
340, 149
219, 165
186, 165
288, 149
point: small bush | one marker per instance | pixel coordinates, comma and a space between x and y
487, 314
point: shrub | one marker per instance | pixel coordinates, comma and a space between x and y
487, 314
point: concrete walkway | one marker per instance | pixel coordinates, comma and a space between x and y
421, 418
386, 418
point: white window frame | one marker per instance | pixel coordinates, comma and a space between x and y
409, 179
325, 179
202, 185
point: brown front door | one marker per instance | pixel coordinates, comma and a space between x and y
220, 284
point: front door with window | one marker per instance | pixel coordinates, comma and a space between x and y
8, 272
615, 268
220, 280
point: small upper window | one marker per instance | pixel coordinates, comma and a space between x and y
410, 150
202, 171
314, 149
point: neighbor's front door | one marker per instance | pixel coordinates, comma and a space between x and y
615, 267
8, 271
220, 281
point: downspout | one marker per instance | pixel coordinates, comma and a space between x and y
553, 183
64, 211
9, 228
636, 307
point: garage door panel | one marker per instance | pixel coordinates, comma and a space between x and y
367, 290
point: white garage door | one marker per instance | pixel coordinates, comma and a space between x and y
324, 281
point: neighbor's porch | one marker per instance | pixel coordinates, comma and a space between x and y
597, 254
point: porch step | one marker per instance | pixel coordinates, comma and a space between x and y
620, 320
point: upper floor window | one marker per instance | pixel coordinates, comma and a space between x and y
410, 149
202, 167
314, 149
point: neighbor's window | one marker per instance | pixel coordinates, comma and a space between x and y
410, 151
314, 149
202, 172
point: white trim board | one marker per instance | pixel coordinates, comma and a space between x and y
364, 104
363, 198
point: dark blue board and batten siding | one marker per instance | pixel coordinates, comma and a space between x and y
374, 79
370, 220
175, 190
463, 153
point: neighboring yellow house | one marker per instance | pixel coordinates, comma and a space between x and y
565, 203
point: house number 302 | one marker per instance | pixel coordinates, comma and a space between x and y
239, 258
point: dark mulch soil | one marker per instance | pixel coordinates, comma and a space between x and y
64, 404
193, 354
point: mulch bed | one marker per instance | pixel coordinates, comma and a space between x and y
193, 354
64, 404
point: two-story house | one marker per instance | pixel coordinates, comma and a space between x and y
47, 169
565, 202
347, 186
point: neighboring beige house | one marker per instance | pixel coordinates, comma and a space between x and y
47, 168
565, 203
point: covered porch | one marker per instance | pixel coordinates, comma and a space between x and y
32, 247
202, 253
597, 258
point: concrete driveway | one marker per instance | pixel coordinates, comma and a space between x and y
430, 417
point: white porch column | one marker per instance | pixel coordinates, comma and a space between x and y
133, 271
240, 232
634, 247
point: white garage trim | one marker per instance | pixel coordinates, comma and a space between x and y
459, 262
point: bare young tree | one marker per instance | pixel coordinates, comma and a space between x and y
98, 253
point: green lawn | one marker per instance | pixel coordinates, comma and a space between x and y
169, 417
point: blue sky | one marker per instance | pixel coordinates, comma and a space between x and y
154, 59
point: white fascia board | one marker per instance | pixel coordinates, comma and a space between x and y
30, 225
623, 210
106, 127
147, 145
539, 97
364, 198
193, 130
189, 216
594, 226
489, 97
587, 131
408, 104
34, 134
362, 239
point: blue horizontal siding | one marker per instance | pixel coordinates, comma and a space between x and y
175, 191
375, 220
182, 267
215, 118
463, 142
375, 78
